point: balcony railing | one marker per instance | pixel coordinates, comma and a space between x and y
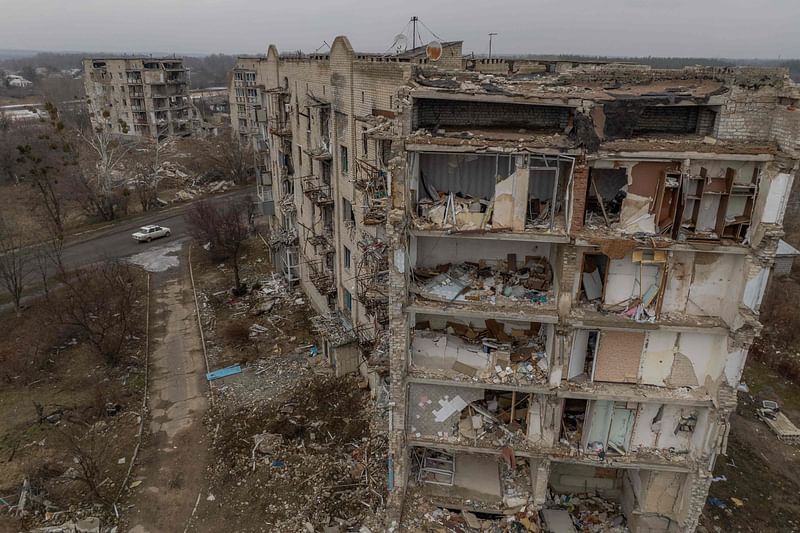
322, 279
317, 191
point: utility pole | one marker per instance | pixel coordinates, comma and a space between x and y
414, 32
491, 34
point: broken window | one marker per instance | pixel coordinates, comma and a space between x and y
572, 422
348, 215
605, 195
610, 426
584, 349
593, 277
348, 301
343, 161
347, 258
364, 139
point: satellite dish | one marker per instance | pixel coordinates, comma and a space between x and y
434, 50
400, 42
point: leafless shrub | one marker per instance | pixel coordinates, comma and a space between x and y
89, 450
100, 301
15, 263
225, 225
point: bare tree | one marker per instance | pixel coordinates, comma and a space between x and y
48, 258
232, 158
100, 300
225, 226
102, 183
48, 156
14, 264
90, 451
149, 172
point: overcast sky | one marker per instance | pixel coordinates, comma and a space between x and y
714, 28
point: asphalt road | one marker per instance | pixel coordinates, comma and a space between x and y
117, 243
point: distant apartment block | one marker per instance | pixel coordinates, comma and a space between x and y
139, 96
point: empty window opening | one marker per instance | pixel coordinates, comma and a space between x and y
610, 427
348, 215
584, 349
607, 190
343, 160
572, 422
593, 277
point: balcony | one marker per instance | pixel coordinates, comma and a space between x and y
321, 152
334, 328
371, 181
374, 346
372, 279
280, 128
287, 204
322, 242
322, 279
283, 237
317, 191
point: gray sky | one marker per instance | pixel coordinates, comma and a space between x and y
715, 28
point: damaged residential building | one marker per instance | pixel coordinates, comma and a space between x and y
551, 271
139, 96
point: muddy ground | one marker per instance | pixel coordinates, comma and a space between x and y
67, 416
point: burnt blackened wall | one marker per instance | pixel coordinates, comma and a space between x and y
431, 114
627, 118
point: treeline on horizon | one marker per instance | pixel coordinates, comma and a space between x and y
212, 70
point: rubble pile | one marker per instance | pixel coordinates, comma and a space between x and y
465, 353
422, 514
455, 211
591, 514
273, 314
498, 284
193, 191
308, 459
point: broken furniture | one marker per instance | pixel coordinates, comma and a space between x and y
435, 466
483, 283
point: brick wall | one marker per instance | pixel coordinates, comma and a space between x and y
430, 113
748, 114
681, 119
580, 184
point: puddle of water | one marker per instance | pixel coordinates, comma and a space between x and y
158, 259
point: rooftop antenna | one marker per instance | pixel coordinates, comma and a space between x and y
414, 21
491, 34
400, 43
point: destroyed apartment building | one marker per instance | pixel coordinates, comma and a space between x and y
139, 96
550, 271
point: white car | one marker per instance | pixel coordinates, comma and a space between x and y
148, 233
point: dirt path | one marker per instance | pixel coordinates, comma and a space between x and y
172, 466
